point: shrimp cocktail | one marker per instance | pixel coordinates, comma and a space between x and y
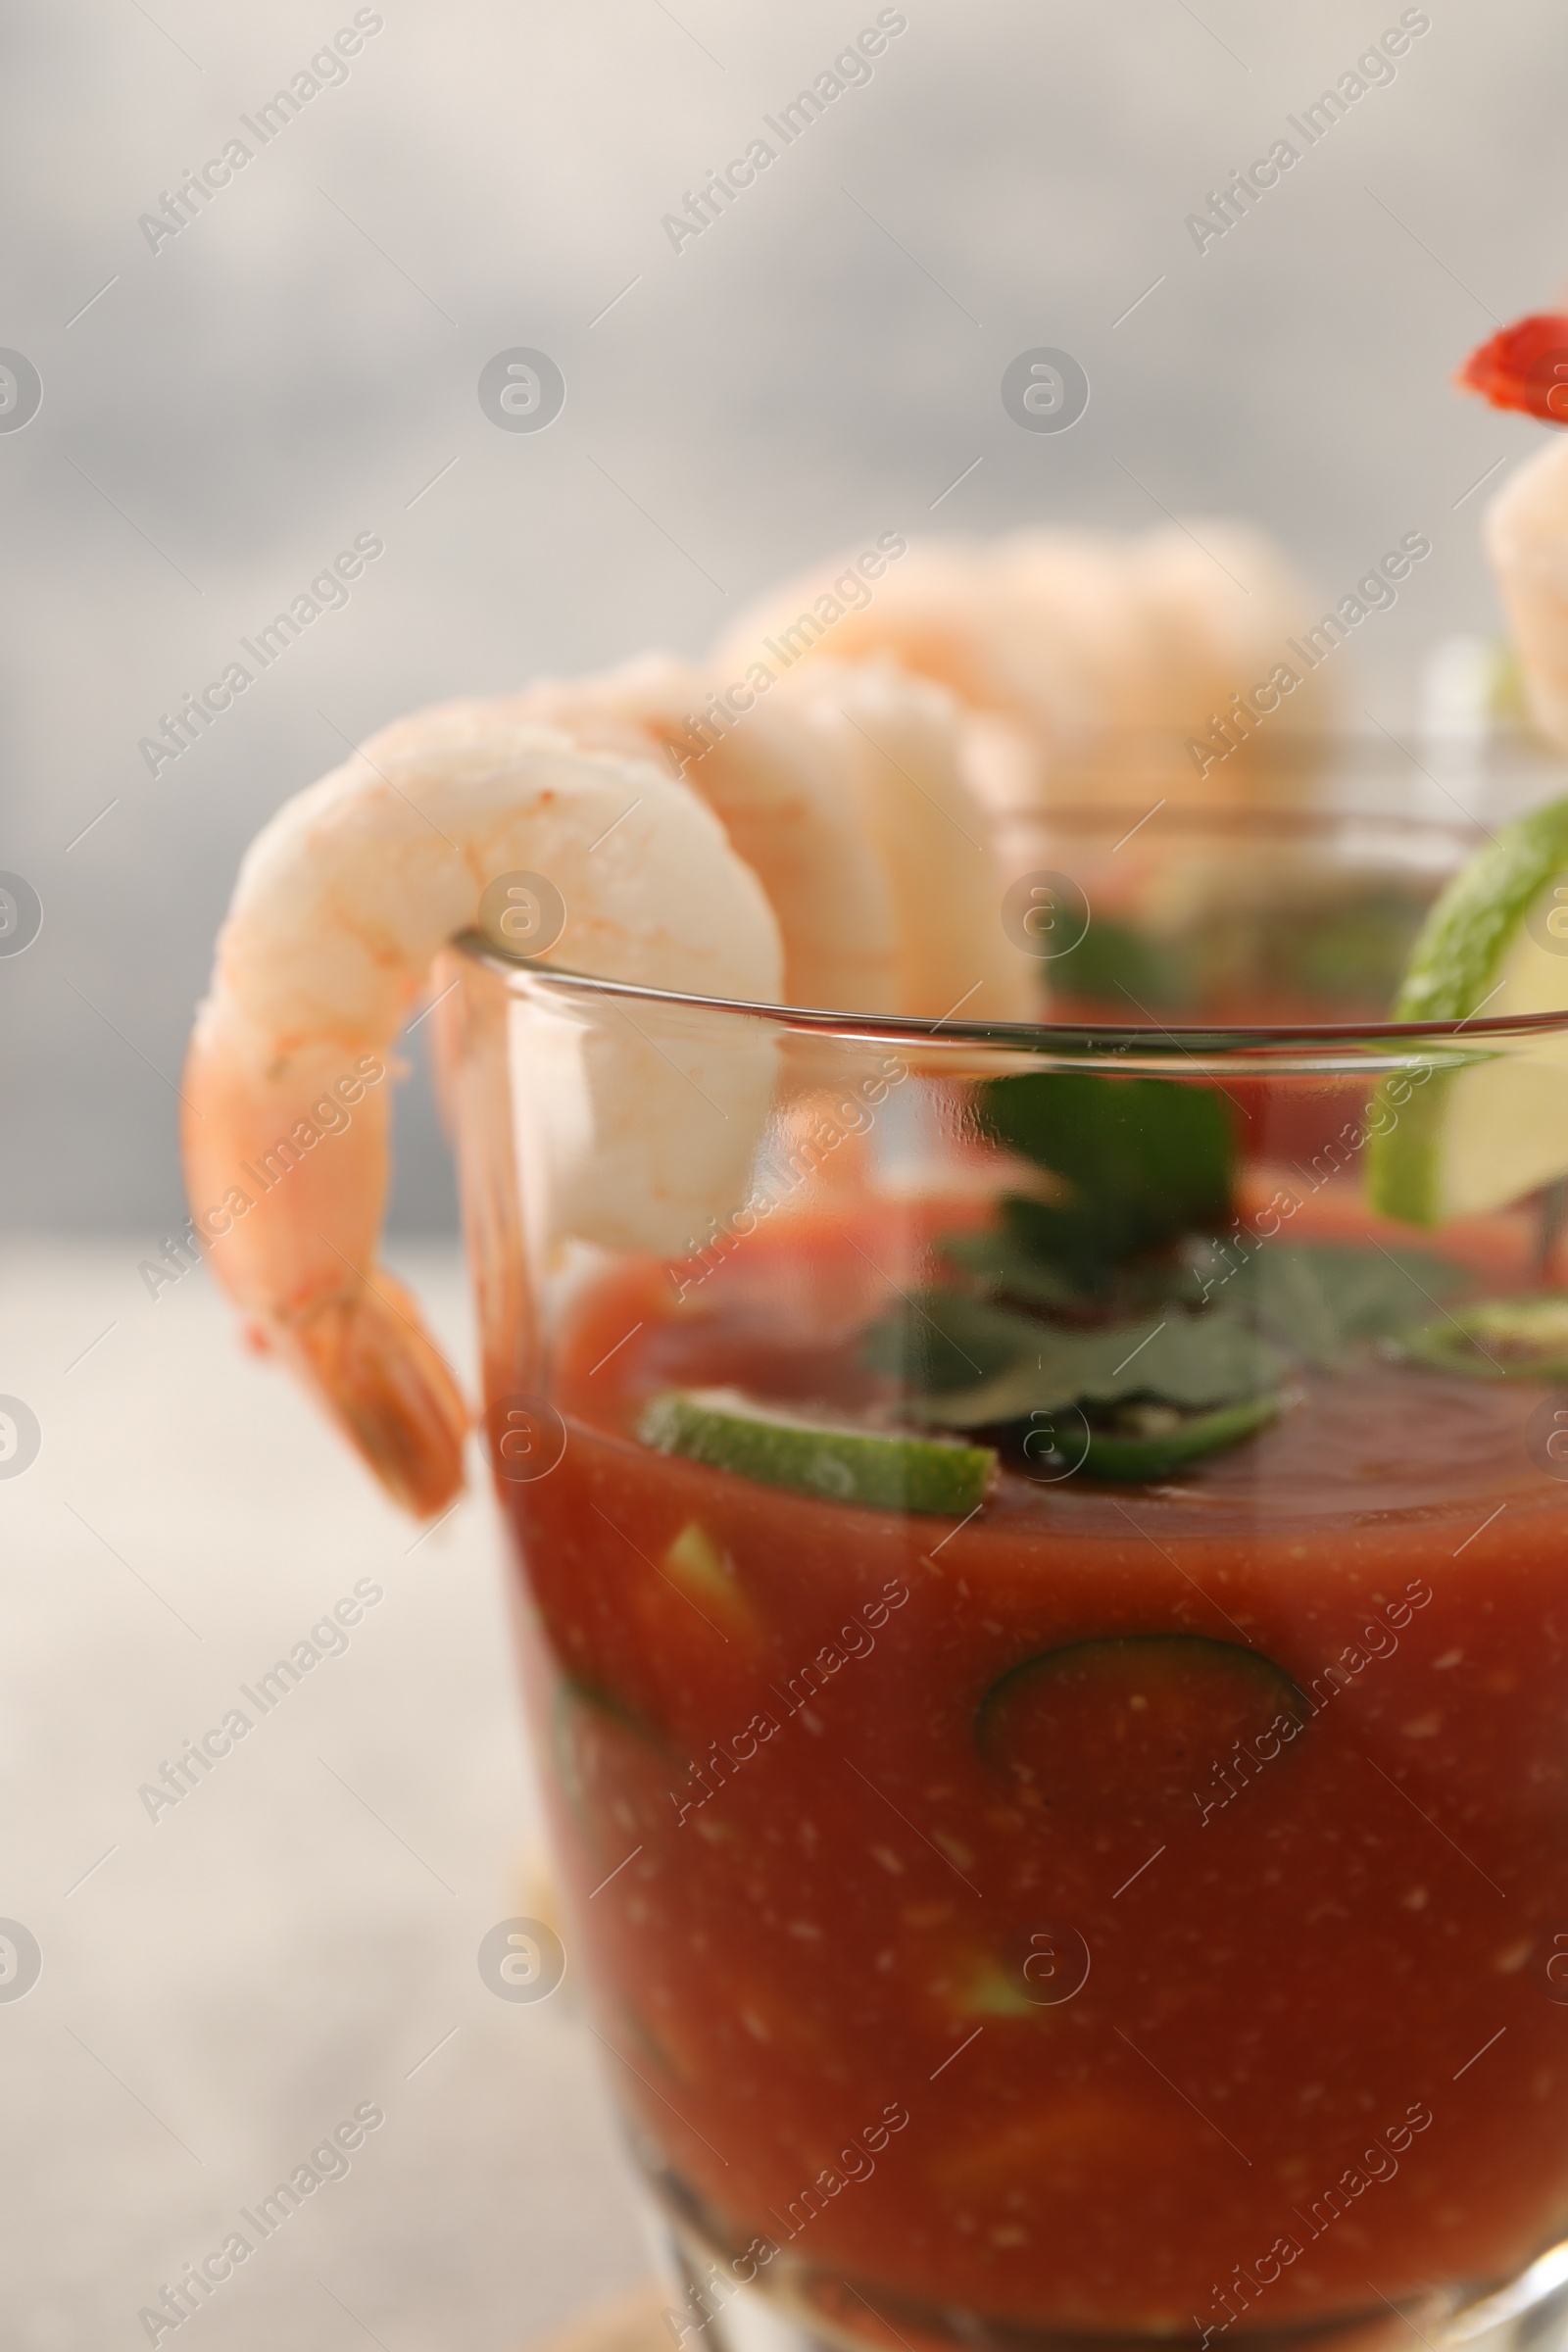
1024, 1294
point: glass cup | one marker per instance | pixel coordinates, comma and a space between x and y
1045, 1616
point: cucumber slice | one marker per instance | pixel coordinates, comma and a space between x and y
622, 1781
1155, 1441
1497, 1339
1040, 1967
1131, 1722
705, 1572
992, 1991
727, 1431
1472, 1131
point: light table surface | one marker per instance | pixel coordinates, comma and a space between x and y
224, 1983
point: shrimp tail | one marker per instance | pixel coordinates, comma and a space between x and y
365, 1353
344, 903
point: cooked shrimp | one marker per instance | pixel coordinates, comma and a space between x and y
342, 904
1182, 622
782, 804
1526, 368
899, 742
1106, 658
931, 614
849, 798
846, 795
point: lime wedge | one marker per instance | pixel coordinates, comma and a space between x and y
1466, 1134
836, 1463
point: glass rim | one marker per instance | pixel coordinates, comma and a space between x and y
1282, 818
1262, 1048
1278, 1046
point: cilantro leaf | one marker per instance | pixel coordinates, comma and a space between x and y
943, 1338
971, 1364
1002, 1264
1138, 1163
1322, 1298
1187, 1361
1004, 1269
1115, 965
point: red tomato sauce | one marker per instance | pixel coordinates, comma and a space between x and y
1317, 2044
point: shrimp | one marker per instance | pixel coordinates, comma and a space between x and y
1100, 662
342, 903
900, 742
781, 803
1526, 368
849, 796
848, 800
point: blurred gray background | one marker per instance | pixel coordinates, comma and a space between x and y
301, 362
219, 418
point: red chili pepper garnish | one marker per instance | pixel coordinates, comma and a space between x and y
1525, 367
